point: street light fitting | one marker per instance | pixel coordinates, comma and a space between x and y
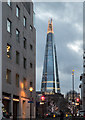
31, 89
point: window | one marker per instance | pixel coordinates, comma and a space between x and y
31, 47
31, 28
24, 43
17, 35
17, 57
24, 83
8, 76
17, 11
8, 51
24, 62
24, 21
30, 65
17, 80
8, 2
8, 25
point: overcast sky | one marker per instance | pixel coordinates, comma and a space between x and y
68, 34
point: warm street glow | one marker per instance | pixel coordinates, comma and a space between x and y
6, 98
16, 100
41, 103
21, 85
31, 89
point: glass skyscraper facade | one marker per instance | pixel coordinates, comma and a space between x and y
50, 79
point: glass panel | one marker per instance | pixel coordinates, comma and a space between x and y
17, 57
24, 42
24, 62
17, 11
8, 2
8, 76
49, 85
24, 82
25, 21
8, 26
17, 35
8, 51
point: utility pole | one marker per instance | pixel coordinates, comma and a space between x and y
0, 60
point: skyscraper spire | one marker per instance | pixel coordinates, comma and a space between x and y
50, 26
50, 78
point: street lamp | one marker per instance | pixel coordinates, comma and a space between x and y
73, 90
30, 89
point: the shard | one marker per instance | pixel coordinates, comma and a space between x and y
50, 79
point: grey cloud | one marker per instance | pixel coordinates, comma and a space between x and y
65, 32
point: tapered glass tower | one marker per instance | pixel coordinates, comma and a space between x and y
50, 79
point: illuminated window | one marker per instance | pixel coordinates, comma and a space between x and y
8, 51
17, 35
8, 2
24, 63
17, 80
24, 21
24, 83
8, 25
17, 11
17, 57
8, 76
24, 43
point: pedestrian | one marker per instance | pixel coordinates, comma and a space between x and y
61, 115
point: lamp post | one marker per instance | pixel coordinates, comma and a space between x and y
73, 90
1, 60
30, 89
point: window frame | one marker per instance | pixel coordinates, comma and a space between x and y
24, 21
31, 47
9, 52
24, 42
17, 35
31, 65
24, 62
31, 27
17, 57
9, 24
17, 80
17, 11
8, 76
24, 83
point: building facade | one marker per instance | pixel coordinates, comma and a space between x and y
50, 78
18, 58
